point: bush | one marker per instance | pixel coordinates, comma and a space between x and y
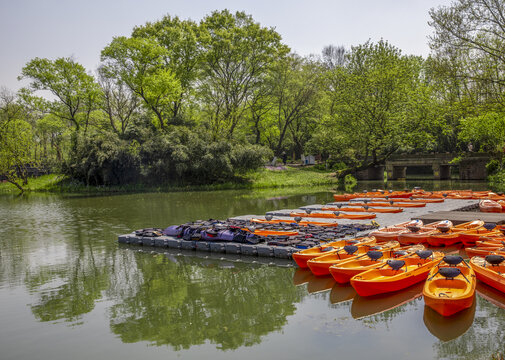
103, 160
493, 166
181, 156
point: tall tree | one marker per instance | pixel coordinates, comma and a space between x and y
16, 141
381, 104
139, 63
296, 83
76, 92
238, 53
118, 101
473, 31
181, 40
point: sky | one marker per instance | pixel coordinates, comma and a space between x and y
81, 29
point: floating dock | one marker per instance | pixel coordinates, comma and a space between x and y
457, 211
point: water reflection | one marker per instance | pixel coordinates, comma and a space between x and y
372, 305
196, 300
492, 295
448, 328
316, 284
341, 293
301, 276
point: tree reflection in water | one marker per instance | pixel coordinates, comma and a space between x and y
196, 300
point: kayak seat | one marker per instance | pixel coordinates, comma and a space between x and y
424, 254
374, 255
449, 272
326, 249
414, 229
399, 253
453, 259
443, 228
489, 226
350, 249
396, 264
495, 260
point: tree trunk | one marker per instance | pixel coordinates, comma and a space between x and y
16, 184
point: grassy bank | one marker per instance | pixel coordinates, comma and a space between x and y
261, 179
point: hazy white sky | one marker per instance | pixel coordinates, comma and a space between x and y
56, 28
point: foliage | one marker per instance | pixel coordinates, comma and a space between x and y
138, 63
76, 92
16, 141
378, 103
15, 150
486, 132
238, 53
493, 166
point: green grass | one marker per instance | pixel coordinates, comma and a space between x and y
41, 183
300, 176
261, 179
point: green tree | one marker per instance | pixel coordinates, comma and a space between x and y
16, 141
474, 32
181, 40
380, 103
139, 63
51, 131
238, 53
296, 84
118, 101
76, 92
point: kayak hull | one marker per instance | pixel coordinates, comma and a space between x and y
489, 274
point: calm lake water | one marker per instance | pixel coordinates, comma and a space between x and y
69, 291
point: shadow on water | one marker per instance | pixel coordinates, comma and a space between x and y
492, 295
451, 327
340, 293
372, 305
301, 276
317, 284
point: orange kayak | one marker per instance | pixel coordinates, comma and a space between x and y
374, 194
421, 235
291, 221
343, 272
411, 200
470, 237
491, 241
489, 206
262, 232
446, 236
320, 265
389, 204
344, 197
490, 270
334, 215
363, 209
391, 233
483, 251
450, 287
397, 274
301, 257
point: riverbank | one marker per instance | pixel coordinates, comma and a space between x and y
262, 179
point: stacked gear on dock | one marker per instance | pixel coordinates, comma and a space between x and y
282, 233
